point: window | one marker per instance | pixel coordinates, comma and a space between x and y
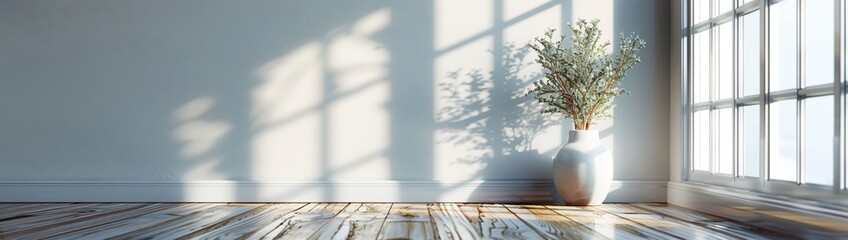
783, 50
818, 127
783, 142
750, 139
763, 95
750, 57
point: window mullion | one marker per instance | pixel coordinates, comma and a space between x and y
747, 8
800, 159
687, 75
713, 125
748, 101
839, 98
764, 98
817, 90
735, 94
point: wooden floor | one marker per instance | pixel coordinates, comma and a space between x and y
365, 221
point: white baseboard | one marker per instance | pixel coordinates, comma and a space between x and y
518, 191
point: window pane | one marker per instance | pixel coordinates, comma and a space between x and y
819, 140
750, 138
782, 145
818, 42
725, 141
725, 60
783, 48
701, 140
724, 6
700, 11
701, 67
750, 54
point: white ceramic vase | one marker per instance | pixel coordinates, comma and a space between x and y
583, 169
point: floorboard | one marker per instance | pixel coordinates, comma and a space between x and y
672, 227
20, 210
452, 223
41, 221
552, 225
608, 225
187, 224
366, 221
315, 222
250, 226
497, 222
59, 228
408, 221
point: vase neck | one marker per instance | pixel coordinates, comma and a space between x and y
587, 136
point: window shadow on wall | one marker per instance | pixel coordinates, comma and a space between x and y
356, 104
295, 93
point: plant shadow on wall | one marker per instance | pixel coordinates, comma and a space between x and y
491, 115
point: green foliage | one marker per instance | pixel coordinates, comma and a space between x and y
581, 80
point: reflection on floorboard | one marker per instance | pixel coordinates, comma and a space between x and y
367, 220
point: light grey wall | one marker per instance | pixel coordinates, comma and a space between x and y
675, 93
174, 91
642, 127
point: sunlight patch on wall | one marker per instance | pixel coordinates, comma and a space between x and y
286, 103
487, 127
458, 21
354, 59
288, 151
372, 23
194, 108
460, 109
359, 135
358, 121
513, 9
526, 29
548, 139
457, 98
199, 134
320, 111
290, 86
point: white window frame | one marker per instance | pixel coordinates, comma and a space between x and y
798, 188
